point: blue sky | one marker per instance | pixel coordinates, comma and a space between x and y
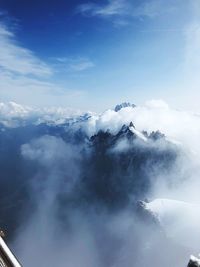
94, 54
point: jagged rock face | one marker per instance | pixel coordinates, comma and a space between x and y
115, 171
156, 135
119, 165
124, 105
146, 215
194, 262
114, 168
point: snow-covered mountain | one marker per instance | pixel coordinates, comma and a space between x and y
194, 262
82, 175
14, 115
180, 220
123, 105
151, 117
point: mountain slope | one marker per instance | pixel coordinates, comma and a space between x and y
180, 220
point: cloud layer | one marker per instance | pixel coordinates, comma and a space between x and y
15, 115
78, 180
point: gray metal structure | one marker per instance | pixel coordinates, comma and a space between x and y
7, 258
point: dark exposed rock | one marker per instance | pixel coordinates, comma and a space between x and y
194, 262
156, 135
110, 177
131, 124
124, 105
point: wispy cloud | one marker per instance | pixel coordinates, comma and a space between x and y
113, 7
123, 8
191, 57
27, 79
17, 59
192, 42
37, 92
75, 64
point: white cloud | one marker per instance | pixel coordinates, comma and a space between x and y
187, 82
114, 7
191, 61
172, 213
23, 76
75, 64
155, 115
37, 92
157, 103
17, 59
180, 127
81, 65
15, 115
125, 8
51, 153
49, 150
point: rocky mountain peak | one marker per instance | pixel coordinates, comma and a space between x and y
124, 105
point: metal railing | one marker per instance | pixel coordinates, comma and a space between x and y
7, 258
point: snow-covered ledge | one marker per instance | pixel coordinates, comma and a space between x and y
194, 262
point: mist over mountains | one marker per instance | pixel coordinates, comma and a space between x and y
72, 185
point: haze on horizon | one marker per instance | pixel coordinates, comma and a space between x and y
92, 55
